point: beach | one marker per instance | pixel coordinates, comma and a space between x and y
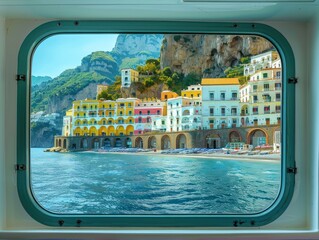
217, 154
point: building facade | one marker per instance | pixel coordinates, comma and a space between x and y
128, 76
220, 103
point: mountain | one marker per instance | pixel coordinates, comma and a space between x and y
187, 56
139, 45
208, 55
55, 96
37, 80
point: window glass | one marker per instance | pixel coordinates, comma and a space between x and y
71, 135
165, 145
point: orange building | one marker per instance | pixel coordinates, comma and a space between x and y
167, 94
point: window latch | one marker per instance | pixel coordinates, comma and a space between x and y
292, 170
293, 80
20, 167
20, 77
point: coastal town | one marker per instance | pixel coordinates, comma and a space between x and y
218, 113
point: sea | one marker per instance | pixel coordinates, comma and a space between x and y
121, 184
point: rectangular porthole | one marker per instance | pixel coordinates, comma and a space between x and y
181, 125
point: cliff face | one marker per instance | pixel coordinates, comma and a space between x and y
209, 55
136, 90
138, 44
101, 62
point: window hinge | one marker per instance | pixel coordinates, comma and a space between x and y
20, 167
20, 77
292, 170
292, 80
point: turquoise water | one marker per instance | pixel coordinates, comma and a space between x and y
96, 183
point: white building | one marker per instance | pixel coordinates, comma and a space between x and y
261, 61
220, 102
264, 105
128, 76
67, 126
183, 114
159, 123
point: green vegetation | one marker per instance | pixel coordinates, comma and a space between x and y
130, 63
69, 83
238, 71
113, 92
101, 55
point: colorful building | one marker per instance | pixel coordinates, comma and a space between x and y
102, 118
263, 92
145, 113
220, 102
261, 61
167, 94
183, 114
193, 91
128, 76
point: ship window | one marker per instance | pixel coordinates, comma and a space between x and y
180, 177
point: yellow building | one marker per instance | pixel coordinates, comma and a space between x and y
100, 118
193, 91
167, 94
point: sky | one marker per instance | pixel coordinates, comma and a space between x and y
60, 52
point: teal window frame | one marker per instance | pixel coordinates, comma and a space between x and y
225, 220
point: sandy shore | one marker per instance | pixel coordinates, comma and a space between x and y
220, 156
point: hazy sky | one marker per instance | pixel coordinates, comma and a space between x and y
65, 51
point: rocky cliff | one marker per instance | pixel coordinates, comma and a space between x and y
208, 55
141, 45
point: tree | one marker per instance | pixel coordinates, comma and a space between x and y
167, 71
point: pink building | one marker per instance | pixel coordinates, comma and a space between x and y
144, 113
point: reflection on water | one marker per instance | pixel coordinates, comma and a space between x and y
94, 183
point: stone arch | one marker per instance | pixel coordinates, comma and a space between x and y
130, 120
95, 143
60, 143
181, 141
244, 110
64, 143
56, 142
78, 122
128, 142
102, 131
92, 121
120, 120
129, 130
84, 143
93, 131
85, 131
77, 131
152, 142
107, 142
165, 142
110, 121
111, 131
234, 136
118, 142
257, 137
139, 142
212, 140
103, 121
120, 131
